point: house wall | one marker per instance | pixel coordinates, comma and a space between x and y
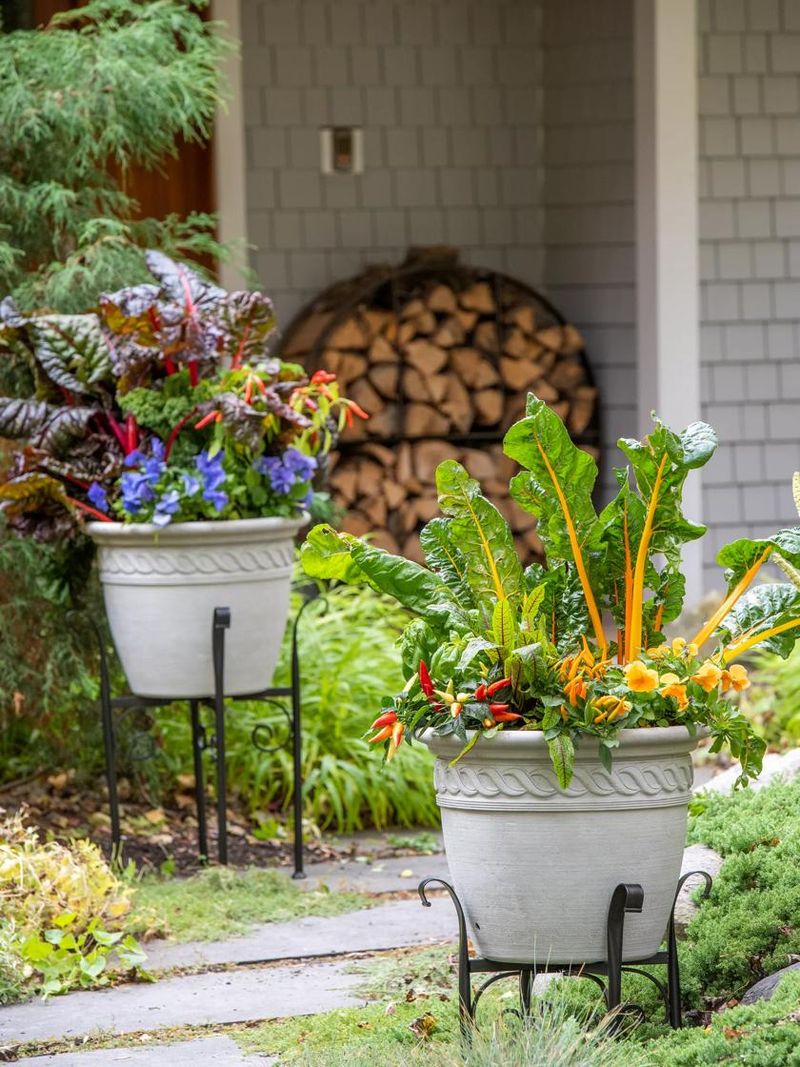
448, 93
589, 220
749, 99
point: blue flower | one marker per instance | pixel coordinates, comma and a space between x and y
216, 497
301, 465
135, 491
153, 466
97, 497
281, 477
190, 484
213, 475
166, 508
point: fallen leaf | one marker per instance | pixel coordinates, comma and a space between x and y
58, 781
424, 1026
407, 873
364, 1025
155, 816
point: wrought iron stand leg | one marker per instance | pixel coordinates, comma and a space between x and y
198, 746
674, 1015
110, 745
525, 990
297, 754
222, 622
466, 1007
626, 897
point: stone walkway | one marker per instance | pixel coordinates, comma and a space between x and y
258, 976
219, 1051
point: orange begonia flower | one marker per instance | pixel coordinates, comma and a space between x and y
708, 676
735, 677
672, 686
639, 678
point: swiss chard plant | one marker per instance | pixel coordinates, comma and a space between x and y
574, 647
162, 405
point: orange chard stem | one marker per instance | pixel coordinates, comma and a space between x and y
659, 618
726, 605
626, 540
733, 651
635, 627
577, 555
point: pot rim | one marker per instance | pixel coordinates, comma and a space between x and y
202, 528
523, 740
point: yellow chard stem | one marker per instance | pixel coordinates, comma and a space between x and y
577, 555
734, 651
729, 601
635, 628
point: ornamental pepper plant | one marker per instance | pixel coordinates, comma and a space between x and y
161, 405
573, 647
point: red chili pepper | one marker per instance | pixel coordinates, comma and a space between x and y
322, 377
248, 391
495, 687
348, 415
506, 716
212, 416
498, 709
357, 409
385, 733
480, 692
387, 719
425, 679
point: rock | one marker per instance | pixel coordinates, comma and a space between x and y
784, 765
695, 858
764, 989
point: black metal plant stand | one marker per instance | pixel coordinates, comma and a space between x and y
607, 974
113, 709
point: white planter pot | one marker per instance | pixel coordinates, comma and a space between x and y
534, 866
161, 587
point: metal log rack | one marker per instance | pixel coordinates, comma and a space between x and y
115, 708
606, 974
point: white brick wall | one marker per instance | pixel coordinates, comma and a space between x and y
448, 93
749, 98
588, 195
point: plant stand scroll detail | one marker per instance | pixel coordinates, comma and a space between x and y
113, 709
607, 974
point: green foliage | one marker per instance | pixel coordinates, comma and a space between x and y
63, 915
766, 1034
773, 702
501, 649
348, 650
114, 84
748, 927
220, 903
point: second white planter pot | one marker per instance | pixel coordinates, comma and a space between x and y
534, 866
161, 587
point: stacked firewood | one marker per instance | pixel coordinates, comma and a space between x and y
442, 372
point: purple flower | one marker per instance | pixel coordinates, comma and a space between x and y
302, 466
135, 491
281, 477
166, 508
153, 466
97, 497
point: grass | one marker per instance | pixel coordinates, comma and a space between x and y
220, 903
411, 1019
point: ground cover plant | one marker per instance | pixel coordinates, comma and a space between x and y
749, 926
494, 647
220, 903
63, 915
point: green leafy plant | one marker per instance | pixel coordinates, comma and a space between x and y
113, 84
179, 357
63, 914
494, 647
773, 702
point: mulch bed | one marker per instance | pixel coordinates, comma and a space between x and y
153, 835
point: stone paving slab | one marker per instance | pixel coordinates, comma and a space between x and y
386, 926
380, 876
201, 999
219, 1051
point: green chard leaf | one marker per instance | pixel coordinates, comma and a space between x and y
562, 756
492, 568
504, 626
446, 559
760, 610
741, 555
